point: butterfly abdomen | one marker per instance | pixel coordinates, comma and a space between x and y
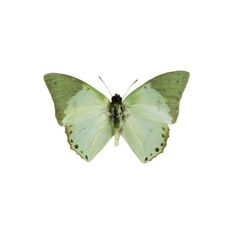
116, 114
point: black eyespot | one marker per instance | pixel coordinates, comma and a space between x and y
162, 144
71, 132
71, 140
86, 157
163, 128
163, 136
157, 149
76, 146
146, 158
150, 154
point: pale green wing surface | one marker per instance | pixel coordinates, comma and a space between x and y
146, 137
149, 109
145, 127
168, 86
62, 87
83, 111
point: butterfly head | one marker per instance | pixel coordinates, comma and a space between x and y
116, 98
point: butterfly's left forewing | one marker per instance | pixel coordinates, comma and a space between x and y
83, 111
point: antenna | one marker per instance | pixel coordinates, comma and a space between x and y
105, 85
129, 88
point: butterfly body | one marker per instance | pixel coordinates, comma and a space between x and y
117, 111
90, 119
117, 116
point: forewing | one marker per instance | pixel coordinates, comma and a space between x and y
83, 111
62, 88
165, 102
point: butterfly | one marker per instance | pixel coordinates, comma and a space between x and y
91, 119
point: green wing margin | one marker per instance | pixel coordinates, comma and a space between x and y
62, 87
171, 86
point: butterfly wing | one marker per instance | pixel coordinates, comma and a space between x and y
83, 111
148, 111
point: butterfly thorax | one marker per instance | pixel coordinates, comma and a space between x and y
116, 113
116, 110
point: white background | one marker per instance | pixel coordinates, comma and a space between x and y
46, 189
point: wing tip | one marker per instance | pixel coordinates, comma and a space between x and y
49, 76
184, 73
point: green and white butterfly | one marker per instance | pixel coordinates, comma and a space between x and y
91, 119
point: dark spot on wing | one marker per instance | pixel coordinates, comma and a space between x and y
157, 149
150, 154
146, 158
81, 151
71, 140
55, 83
71, 132
76, 146
163, 128
163, 136
162, 144
86, 157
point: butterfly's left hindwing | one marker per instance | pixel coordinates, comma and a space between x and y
146, 137
83, 111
